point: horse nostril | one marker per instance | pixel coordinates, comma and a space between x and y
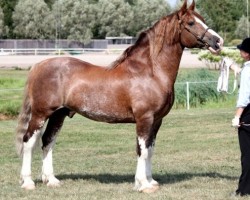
216, 39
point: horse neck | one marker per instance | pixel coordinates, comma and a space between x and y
155, 52
166, 49
166, 64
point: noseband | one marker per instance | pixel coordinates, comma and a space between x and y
199, 38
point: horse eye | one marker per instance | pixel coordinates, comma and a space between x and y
190, 23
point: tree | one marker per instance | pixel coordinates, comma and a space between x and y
146, 12
223, 14
1, 22
241, 30
8, 7
114, 18
75, 19
33, 20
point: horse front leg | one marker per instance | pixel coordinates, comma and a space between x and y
146, 132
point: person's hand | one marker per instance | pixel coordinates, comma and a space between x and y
236, 122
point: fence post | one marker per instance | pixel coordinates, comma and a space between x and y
187, 92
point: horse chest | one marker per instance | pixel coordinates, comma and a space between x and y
166, 105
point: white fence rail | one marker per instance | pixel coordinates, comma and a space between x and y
188, 85
74, 51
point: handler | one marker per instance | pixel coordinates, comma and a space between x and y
242, 119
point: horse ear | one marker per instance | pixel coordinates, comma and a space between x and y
192, 6
183, 9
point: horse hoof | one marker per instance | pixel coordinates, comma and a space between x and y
29, 187
54, 183
51, 181
155, 183
151, 189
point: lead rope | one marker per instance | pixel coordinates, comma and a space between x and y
222, 85
244, 124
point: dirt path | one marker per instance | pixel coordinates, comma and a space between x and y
10, 61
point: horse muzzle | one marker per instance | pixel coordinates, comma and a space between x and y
215, 44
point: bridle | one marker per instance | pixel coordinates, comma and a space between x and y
199, 38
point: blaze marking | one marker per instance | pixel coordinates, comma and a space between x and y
210, 30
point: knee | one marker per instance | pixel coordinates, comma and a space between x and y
246, 162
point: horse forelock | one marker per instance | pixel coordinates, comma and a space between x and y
199, 16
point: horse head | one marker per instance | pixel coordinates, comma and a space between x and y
194, 32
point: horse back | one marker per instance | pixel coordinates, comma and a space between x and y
92, 91
48, 80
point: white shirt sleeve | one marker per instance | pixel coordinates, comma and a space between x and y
244, 91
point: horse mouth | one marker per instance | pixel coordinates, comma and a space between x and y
216, 46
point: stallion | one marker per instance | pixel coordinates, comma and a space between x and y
137, 88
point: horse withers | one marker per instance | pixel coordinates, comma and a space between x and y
137, 88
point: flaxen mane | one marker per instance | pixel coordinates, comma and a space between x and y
165, 31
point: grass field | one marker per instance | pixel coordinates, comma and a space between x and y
196, 158
11, 91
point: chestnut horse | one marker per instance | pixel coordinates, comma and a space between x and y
137, 88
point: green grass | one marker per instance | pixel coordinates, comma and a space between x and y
11, 90
196, 158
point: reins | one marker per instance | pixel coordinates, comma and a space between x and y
223, 80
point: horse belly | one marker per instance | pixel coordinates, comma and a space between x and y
111, 115
105, 109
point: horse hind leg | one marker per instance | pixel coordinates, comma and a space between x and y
30, 140
49, 138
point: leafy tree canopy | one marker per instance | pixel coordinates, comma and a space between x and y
33, 20
80, 19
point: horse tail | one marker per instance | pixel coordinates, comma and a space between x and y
23, 122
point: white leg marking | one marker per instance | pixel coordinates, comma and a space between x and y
143, 177
27, 182
47, 169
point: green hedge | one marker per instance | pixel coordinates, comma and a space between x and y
213, 61
200, 93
